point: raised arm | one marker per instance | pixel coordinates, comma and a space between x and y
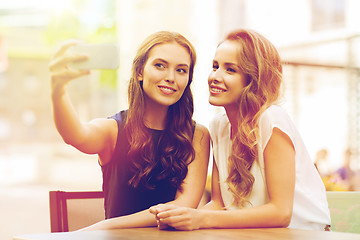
92, 137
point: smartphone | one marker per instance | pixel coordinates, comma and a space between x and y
100, 56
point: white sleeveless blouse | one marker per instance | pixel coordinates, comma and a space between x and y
310, 209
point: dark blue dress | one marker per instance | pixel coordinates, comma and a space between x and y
121, 198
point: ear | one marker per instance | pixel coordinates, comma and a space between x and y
140, 76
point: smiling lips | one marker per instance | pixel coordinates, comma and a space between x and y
167, 90
213, 90
216, 90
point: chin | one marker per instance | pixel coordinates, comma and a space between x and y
167, 101
215, 103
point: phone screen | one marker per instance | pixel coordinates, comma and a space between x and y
100, 56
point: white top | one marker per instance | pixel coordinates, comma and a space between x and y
310, 209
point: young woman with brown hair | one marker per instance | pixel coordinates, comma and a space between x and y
152, 152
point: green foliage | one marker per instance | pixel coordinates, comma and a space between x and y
108, 78
78, 23
104, 33
63, 27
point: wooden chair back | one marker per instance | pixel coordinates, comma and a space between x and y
74, 210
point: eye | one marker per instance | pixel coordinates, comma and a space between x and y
215, 66
231, 70
159, 65
182, 70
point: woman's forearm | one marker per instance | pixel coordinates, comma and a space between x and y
139, 219
263, 216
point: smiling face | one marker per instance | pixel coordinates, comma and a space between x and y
226, 80
165, 74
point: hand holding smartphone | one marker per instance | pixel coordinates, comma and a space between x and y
100, 56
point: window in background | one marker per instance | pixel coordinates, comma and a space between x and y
327, 14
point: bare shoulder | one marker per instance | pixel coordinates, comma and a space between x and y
201, 134
109, 130
105, 126
201, 129
105, 123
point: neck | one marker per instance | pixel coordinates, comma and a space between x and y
155, 115
232, 114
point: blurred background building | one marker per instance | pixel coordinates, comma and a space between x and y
319, 41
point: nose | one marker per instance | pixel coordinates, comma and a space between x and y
170, 77
215, 76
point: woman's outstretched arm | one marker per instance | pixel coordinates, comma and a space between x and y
93, 137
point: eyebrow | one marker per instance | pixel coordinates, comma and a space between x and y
227, 64
231, 65
164, 61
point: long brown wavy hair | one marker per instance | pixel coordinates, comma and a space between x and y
175, 150
260, 62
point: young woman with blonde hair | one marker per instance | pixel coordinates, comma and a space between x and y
151, 153
262, 173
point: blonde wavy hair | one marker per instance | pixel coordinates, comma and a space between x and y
260, 62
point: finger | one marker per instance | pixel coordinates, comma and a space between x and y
157, 208
153, 210
165, 207
171, 212
173, 220
69, 75
162, 226
180, 224
65, 46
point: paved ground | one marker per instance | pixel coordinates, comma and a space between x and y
27, 176
24, 209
